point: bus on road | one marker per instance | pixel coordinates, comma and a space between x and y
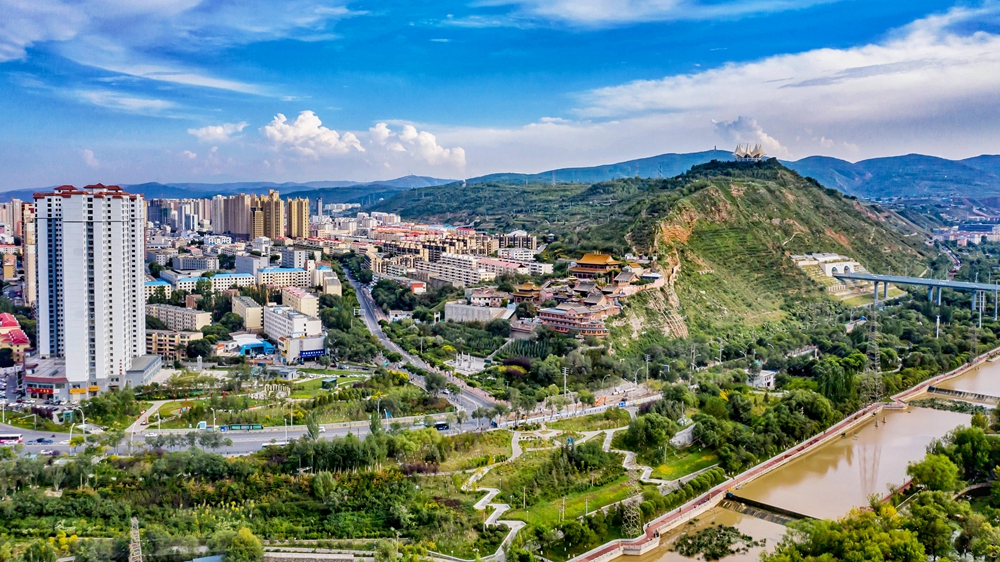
8, 438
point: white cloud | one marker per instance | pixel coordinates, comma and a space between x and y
421, 144
218, 133
307, 136
616, 12
123, 102
189, 155
746, 130
122, 35
89, 159
927, 64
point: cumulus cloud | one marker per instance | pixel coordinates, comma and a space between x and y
746, 130
218, 133
189, 155
421, 144
306, 136
89, 159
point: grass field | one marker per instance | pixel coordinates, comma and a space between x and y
495, 443
866, 299
310, 388
609, 419
688, 461
548, 513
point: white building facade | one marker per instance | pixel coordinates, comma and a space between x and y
91, 294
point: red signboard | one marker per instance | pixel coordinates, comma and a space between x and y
34, 390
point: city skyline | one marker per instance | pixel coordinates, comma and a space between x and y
197, 91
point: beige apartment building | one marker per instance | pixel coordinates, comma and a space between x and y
251, 312
171, 344
179, 318
301, 300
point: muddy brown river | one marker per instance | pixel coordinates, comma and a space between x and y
841, 474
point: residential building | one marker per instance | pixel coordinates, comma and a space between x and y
91, 318
262, 245
488, 296
518, 239
12, 337
294, 257
251, 264
163, 257
301, 300
158, 286
272, 208
217, 239
251, 311
500, 267
458, 276
9, 267
284, 277
171, 344
299, 336
217, 283
28, 254
199, 263
517, 254
179, 318
298, 218
331, 285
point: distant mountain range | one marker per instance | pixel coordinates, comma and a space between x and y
912, 175
330, 191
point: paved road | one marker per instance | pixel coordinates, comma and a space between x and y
371, 313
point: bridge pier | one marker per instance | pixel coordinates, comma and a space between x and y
939, 296
876, 292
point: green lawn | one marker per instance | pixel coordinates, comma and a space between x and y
683, 462
609, 419
548, 513
309, 389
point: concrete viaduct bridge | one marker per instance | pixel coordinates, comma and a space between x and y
979, 290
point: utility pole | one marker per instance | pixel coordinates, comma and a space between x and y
937, 327
647, 367
565, 372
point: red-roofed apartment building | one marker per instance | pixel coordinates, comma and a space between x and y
12, 337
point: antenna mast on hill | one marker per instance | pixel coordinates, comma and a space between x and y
135, 546
871, 391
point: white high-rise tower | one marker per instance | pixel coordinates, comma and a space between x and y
91, 300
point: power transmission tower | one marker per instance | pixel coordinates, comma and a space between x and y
135, 546
870, 391
632, 517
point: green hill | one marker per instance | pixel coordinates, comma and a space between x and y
723, 233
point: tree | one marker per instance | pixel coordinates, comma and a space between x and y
199, 348
435, 383
154, 323
312, 426
935, 472
245, 547
232, 321
385, 551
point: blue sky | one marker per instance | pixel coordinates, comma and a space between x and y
210, 90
